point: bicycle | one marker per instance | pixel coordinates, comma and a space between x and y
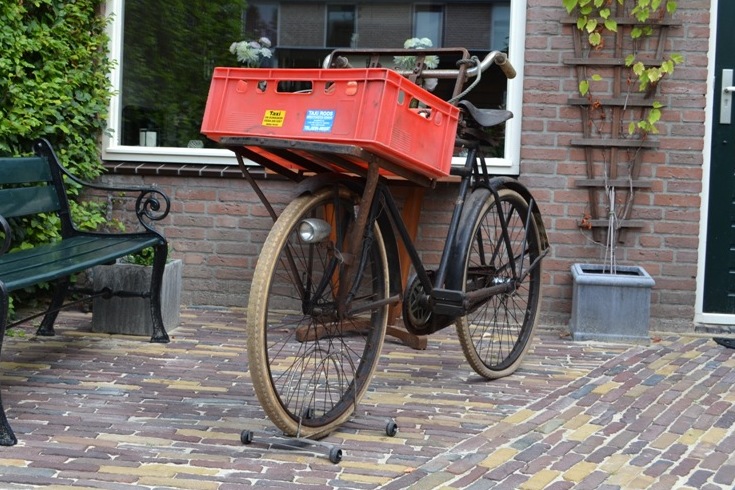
329, 269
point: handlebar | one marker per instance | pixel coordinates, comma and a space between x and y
504, 64
494, 57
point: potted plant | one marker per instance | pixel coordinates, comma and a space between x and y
131, 316
408, 63
619, 64
252, 54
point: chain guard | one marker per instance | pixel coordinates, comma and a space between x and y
418, 317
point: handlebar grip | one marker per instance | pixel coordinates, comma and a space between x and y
505, 65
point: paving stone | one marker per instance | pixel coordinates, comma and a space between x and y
725, 475
684, 467
714, 460
593, 481
504, 471
699, 478
532, 453
645, 457
560, 485
658, 468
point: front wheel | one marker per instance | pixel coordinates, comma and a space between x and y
316, 318
495, 335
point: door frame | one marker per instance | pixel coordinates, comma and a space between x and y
710, 111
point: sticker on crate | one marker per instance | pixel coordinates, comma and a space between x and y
319, 121
274, 119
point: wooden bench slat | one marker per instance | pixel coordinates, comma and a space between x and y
22, 170
48, 262
23, 201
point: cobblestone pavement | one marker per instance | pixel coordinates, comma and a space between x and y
113, 412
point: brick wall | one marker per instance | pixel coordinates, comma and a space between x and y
667, 244
218, 226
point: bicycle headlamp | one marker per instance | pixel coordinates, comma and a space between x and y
314, 230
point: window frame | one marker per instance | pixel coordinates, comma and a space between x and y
113, 151
327, 23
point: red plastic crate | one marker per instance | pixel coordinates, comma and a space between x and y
371, 108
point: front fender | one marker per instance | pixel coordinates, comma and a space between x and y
318, 182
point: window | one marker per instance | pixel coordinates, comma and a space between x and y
165, 61
340, 26
500, 26
428, 22
261, 20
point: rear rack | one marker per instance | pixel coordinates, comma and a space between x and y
296, 159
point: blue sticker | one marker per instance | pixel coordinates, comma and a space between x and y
319, 121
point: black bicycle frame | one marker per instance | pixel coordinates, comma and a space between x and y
474, 170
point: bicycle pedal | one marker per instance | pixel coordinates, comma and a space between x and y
448, 302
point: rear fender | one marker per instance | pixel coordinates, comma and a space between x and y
513, 184
455, 275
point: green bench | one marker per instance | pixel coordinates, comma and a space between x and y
33, 185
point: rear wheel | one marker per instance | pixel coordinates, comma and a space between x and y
311, 359
495, 335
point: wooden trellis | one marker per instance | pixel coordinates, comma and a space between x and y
613, 156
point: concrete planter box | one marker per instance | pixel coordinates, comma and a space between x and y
610, 307
132, 316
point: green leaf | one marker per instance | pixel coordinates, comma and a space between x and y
584, 87
595, 39
631, 128
654, 115
570, 5
629, 60
671, 7
654, 74
611, 25
596, 77
591, 25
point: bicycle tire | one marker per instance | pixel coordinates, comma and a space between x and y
496, 335
310, 365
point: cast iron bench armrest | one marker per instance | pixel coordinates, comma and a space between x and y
151, 205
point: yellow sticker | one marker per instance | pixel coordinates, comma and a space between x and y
274, 119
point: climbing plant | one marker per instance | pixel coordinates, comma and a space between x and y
54, 84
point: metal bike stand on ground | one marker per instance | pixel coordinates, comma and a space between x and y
302, 443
